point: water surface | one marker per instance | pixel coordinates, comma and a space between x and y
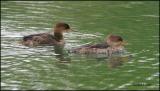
40, 67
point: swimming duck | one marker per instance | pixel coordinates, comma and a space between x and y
112, 44
47, 38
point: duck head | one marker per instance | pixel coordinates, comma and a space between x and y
61, 27
114, 40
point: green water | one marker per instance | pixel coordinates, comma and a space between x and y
40, 68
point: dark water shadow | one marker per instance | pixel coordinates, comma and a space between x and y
117, 61
62, 55
112, 61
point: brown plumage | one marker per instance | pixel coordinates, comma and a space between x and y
46, 38
113, 44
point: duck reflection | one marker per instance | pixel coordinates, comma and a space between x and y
116, 61
62, 55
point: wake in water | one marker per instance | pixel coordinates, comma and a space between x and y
73, 45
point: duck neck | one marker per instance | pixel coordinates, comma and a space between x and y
58, 36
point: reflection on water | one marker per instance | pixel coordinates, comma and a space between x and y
116, 61
61, 54
48, 68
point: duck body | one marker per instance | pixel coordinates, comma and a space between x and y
113, 45
47, 38
101, 48
42, 39
96, 48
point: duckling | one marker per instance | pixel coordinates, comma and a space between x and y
47, 38
112, 44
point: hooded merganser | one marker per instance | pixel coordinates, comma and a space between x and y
113, 43
47, 38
